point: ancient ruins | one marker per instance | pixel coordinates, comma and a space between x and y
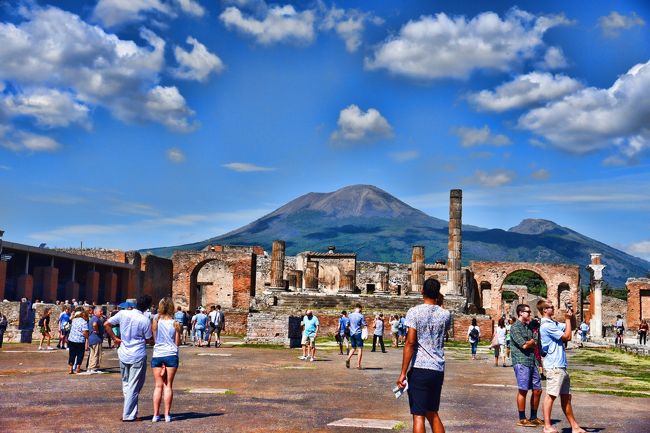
262, 295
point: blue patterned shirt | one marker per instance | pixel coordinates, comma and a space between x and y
79, 325
431, 323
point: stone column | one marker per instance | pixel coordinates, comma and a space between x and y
277, 265
71, 290
92, 287
292, 281
3, 278
298, 279
311, 277
454, 245
50, 284
595, 268
110, 288
382, 287
417, 270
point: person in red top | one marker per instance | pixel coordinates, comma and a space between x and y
643, 332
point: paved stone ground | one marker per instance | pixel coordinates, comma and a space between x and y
272, 391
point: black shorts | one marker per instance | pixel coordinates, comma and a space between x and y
424, 390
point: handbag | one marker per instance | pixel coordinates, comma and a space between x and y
364, 333
495, 341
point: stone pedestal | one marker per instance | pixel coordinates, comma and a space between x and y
311, 277
277, 265
25, 287
92, 287
3, 279
50, 284
71, 290
110, 288
595, 268
417, 271
454, 244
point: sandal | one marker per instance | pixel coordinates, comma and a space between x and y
552, 430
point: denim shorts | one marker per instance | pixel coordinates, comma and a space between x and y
356, 340
167, 361
527, 377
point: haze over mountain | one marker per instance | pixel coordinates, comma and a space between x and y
379, 227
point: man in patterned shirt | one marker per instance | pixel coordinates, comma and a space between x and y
522, 346
427, 326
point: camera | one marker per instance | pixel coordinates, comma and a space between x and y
568, 306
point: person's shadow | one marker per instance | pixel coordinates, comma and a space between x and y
588, 429
193, 415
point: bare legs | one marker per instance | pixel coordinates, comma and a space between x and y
565, 401
359, 356
434, 422
164, 379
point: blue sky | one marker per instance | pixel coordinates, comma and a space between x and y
130, 124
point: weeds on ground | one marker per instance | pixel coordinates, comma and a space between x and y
399, 426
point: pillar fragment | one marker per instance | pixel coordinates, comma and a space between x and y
277, 264
92, 287
417, 270
50, 284
25, 286
299, 276
110, 288
311, 277
292, 281
454, 245
3, 279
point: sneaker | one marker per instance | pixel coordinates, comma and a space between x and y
525, 423
302, 358
40, 348
50, 348
155, 418
168, 418
536, 421
347, 363
311, 359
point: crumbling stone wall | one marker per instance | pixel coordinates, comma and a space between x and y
556, 276
369, 273
97, 253
638, 302
462, 322
157, 277
263, 271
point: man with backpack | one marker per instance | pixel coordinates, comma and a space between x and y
523, 344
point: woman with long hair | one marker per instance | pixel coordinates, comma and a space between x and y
500, 333
78, 339
473, 337
167, 336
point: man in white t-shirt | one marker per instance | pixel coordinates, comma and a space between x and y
135, 333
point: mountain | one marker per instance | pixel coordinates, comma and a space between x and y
379, 227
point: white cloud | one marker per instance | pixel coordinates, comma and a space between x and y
245, 167
470, 137
528, 89
279, 24
49, 107
96, 68
407, 155
492, 180
197, 64
191, 7
355, 125
640, 249
541, 174
592, 119
348, 24
175, 155
611, 24
20, 141
443, 46
554, 59
116, 12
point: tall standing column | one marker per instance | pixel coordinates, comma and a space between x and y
92, 287
382, 273
298, 279
3, 278
595, 268
50, 284
277, 264
311, 277
417, 270
454, 245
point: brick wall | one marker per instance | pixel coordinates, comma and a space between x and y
463, 322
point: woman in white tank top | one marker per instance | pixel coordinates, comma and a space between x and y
164, 362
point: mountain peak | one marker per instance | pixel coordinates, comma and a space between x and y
532, 226
351, 201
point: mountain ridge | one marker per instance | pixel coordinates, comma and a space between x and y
379, 227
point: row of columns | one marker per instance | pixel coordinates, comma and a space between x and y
47, 279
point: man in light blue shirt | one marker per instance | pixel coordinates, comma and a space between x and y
553, 335
357, 322
310, 326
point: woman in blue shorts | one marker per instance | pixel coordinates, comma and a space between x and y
167, 336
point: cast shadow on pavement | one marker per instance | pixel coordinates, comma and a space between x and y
588, 429
193, 415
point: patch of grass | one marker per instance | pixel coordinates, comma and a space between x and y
229, 392
399, 426
263, 346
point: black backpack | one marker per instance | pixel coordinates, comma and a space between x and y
474, 334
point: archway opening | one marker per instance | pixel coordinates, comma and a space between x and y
534, 283
563, 295
211, 283
509, 302
486, 294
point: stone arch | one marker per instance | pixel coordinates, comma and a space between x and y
214, 281
186, 267
553, 275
